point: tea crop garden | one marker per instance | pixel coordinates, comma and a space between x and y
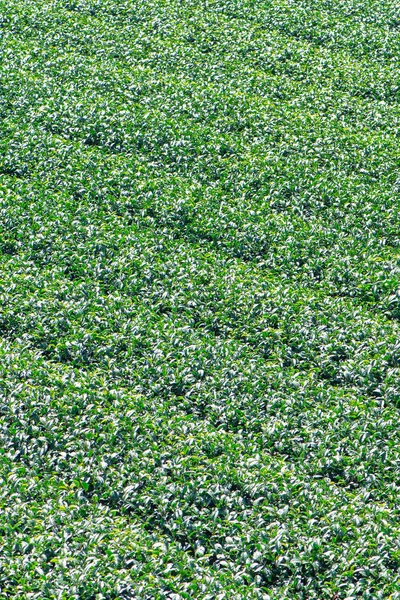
199, 299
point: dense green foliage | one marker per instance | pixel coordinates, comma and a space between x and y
200, 299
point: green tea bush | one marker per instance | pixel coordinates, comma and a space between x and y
199, 292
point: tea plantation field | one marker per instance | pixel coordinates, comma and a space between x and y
199, 299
